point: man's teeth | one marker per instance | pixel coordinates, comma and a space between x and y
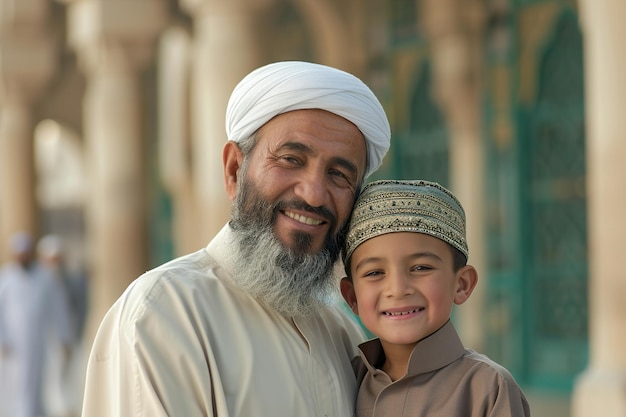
303, 219
400, 313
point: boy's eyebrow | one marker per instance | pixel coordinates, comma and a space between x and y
416, 255
301, 147
426, 254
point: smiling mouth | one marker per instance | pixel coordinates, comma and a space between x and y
402, 313
303, 219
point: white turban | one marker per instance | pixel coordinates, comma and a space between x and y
293, 85
50, 246
21, 242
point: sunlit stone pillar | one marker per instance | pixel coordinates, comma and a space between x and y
114, 40
601, 389
454, 29
27, 62
223, 50
174, 137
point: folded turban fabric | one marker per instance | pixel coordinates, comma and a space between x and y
50, 246
294, 85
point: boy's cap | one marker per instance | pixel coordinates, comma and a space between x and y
419, 206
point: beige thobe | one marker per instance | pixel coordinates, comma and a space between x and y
183, 341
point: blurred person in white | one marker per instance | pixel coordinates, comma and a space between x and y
248, 326
30, 310
62, 383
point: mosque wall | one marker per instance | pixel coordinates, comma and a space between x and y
143, 85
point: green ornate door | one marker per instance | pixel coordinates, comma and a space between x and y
535, 312
421, 152
554, 214
538, 279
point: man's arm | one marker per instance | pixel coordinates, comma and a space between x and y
146, 359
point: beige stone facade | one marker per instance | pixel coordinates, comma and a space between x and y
144, 85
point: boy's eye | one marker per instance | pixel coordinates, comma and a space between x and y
372, 274
420, 268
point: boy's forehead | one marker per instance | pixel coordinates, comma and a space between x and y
402, 244
419, 206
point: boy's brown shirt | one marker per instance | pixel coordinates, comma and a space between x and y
443, 380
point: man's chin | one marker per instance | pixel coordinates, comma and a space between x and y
300, 243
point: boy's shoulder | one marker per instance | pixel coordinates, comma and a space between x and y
487, 367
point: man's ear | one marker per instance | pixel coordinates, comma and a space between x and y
466, 280
232, 158
347, 290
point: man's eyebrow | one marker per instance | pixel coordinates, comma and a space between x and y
301, 147
296, 146
345, 164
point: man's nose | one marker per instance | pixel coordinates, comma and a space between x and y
312, 188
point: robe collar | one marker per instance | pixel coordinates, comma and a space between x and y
430, 354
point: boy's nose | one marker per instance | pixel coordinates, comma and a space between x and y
398, 285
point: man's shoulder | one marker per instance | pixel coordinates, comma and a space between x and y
180, 279
8, 269
198, 262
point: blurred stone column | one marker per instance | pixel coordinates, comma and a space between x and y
27, 62
601, 389
455, 32
114, 40
175, 149
223, 51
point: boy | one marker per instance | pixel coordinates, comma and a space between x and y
405, 258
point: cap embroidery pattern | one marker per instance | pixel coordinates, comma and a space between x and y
419, 206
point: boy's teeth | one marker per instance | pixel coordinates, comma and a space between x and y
400, 313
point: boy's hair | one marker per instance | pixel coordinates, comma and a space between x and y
418, 206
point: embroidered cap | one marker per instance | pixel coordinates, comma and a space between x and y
418, 206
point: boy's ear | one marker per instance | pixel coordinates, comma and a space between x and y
232, 158
347, 290
466, 280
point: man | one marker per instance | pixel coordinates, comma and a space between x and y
30, 311
246, 326
63, 347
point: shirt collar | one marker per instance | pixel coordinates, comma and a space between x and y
431, 353
221, 248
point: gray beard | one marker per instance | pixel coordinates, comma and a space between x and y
292, 284
289, 280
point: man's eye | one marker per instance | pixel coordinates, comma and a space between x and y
340, 176
291, 159
337, 173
